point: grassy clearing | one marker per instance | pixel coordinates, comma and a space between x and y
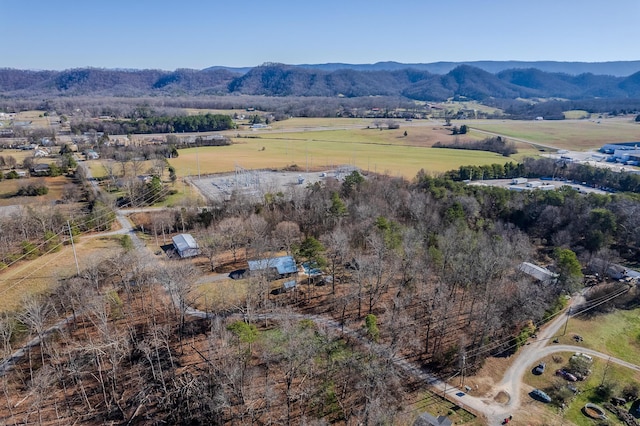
18, 154
42, 274
567, 134
221, 295
36, 117
8, 187
617, 334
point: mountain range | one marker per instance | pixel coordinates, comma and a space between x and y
340, 80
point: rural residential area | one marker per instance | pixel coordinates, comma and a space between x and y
346, 243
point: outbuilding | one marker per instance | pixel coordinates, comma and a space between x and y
185, 245
280, 267
538, 272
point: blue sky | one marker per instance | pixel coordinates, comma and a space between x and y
39, 34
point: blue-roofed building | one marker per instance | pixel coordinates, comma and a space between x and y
283, 266
610, 148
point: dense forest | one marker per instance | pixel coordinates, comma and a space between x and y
427, 269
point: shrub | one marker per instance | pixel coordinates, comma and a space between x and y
371, 325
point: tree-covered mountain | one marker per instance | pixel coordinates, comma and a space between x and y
295, 81
614, 68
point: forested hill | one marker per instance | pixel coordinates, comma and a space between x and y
287, 80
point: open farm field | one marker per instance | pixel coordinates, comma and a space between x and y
8, 187
42, 274
395, 160
36, 117
423, 135
573, 135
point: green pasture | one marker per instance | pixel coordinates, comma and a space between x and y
566, 134
314, 154
617, 334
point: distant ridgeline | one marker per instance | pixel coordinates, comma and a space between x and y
412, 81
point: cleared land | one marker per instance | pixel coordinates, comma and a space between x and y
42, 274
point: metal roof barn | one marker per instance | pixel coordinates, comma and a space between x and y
185, 245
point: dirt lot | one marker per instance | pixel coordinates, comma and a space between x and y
256, 183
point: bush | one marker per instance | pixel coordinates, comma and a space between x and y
32, 190
371, 325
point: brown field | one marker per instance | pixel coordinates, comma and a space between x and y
8, 187
18, 154
386, 151
575, 135
42, 274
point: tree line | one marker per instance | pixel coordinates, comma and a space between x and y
493, 144
177, 124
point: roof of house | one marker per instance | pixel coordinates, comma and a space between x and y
284, 264
41, 167
426, 419
184, 242
537, 272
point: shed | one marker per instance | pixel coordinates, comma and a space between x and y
185, 245
283, 266
426, 419
538, 272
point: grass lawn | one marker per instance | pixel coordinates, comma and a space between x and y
568, 134
617, 334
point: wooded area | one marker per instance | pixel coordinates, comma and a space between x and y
426, 270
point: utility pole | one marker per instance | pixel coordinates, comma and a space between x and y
604, 373
75, 256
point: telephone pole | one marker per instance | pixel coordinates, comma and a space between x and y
75, 256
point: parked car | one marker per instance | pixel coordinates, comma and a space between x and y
566, 375
540, 396
539, 369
